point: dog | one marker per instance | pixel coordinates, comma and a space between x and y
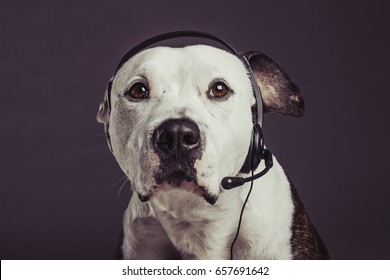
178, 121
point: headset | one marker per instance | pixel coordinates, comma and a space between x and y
256, 151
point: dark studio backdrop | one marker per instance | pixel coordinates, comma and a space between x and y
61, 193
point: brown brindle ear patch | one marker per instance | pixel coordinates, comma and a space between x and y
280, 94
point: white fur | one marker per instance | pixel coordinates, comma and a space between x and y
178, 219
265, 228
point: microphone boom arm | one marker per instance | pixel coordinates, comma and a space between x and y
233, 182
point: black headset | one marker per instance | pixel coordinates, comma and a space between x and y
256, 150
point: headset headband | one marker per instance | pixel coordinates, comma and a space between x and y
194, 34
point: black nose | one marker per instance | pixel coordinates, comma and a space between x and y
177, 138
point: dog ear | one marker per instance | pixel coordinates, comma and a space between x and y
280, 95
103, 114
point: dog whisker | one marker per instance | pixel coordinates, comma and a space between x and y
119, 181
120, 189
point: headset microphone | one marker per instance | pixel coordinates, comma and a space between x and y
233, 182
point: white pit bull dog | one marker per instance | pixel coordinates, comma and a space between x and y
179, 120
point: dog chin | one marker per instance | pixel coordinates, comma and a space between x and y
184, 186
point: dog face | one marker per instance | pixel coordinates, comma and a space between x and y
181, 117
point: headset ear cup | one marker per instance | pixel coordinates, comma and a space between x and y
255, 151
106, 127
258, 146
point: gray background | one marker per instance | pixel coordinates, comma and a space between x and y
60, 192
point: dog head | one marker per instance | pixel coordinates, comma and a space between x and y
181, 118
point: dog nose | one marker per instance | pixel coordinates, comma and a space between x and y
177, 137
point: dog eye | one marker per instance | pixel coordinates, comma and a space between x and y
138, 91
219, 89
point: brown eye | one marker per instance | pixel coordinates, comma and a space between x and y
219, 89
138, 91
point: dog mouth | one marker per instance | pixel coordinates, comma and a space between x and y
180, 178
176, 178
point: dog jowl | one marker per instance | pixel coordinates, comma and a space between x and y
179, 120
